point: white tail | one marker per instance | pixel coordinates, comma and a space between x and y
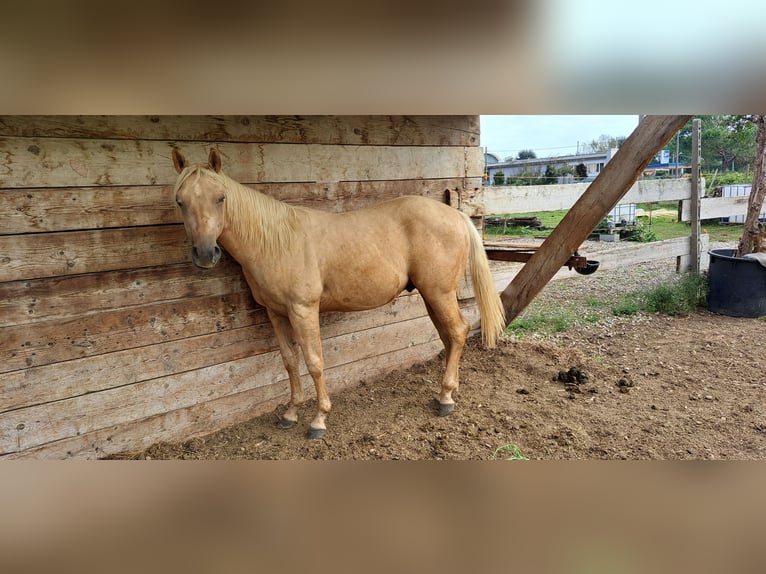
490, 307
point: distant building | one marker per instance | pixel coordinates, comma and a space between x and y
536, 167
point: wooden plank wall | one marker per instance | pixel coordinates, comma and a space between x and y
111, 340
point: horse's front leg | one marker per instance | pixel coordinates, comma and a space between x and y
289, 350
305, 322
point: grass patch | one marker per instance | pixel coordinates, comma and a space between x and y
509, 452
679, 296
543, 321
630, 305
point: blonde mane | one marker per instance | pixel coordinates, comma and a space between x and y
255, 218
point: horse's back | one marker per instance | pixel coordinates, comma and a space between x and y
369, 255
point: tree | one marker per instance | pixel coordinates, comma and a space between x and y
605, 143
551, 175
526, 177
728, 142
752, 234
581, 171
526, 154
498, 177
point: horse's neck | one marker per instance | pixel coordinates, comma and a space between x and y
264, 226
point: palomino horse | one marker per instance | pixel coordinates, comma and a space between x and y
299, 262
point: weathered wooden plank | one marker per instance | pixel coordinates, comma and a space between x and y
635, 253
209, 416
74, 252
343, 130
55, 162
348, 195
497, 200
49, 342
21, 429
61, 380
714, 207
32, 301
653, 190
69, 209
58, 381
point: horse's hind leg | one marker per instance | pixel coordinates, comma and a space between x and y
453, 330
288, 348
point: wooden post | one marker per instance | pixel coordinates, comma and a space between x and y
695, 242
602, 195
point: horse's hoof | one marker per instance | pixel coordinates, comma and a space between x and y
442, 410
286, 424
314, 434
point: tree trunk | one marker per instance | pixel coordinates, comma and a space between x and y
752, 235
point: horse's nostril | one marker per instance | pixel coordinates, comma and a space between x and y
216, 253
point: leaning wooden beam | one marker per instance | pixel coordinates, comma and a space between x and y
602, 195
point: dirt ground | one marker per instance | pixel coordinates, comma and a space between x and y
657, 387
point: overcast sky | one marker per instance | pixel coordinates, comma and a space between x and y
549, 135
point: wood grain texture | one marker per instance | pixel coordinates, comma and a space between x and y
714, 207
498, 200
101, 371
208, 416
59, 162
66, 297
25, 346
338, 130
25, 428
38, 210
74, 252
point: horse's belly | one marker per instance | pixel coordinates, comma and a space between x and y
360, 297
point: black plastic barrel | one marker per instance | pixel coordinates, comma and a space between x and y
737, 285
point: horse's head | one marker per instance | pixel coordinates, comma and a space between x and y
201, 198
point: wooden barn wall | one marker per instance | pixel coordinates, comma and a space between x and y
111, 340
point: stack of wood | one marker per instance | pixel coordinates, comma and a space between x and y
505, 222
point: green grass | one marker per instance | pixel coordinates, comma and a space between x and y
679, 296
543, 320
628, 306
509, 452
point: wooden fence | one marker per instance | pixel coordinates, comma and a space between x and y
111, 340
542, 198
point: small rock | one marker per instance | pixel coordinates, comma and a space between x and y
522, 391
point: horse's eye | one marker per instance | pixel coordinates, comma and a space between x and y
179, 202
221, 199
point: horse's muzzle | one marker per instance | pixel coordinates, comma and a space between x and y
206, 257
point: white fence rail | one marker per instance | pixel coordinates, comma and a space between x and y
497, 200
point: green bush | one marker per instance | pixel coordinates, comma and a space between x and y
641, 233
628, 306
679, 298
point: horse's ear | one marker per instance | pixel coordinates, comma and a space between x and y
214, 160
179, 161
